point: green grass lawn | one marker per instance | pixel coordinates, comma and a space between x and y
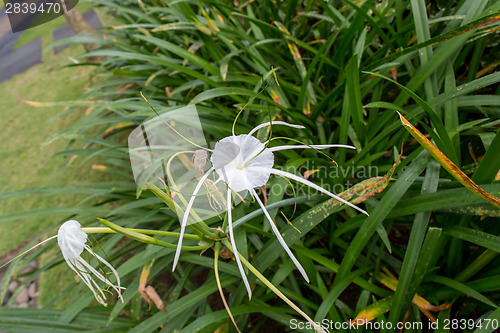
26, 160
27, 157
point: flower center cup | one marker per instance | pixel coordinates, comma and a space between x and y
243, 162
71, 239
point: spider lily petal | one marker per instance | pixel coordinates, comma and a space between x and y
277, 122
71, 239
186, 215
278, 148
316, 187
233, 244
280, 238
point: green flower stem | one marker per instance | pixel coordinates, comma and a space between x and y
105, 230
273, 287
226, 222
147, 239
200, 230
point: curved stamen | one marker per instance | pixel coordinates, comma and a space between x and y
98, 275
77, 267
277, 122
105, 262
280, 238
278, 148
233, 244
316, 187
186, 215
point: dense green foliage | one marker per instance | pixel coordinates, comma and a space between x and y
434, 237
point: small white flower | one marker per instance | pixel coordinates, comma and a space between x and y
71, 239
244, 163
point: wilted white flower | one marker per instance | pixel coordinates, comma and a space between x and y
244, 163
71, 239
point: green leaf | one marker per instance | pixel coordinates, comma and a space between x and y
466, 290
388, 202
474, 236
489, 324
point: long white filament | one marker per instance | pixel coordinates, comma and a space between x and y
277, 122
95, 272
84, 270
233, 244
77, 267
106, 280
278, 148
280, 238
316, 187
186, 215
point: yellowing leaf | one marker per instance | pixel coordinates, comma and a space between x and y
143, 281
148, 292
309, 173
99, 167
391, 282
373, 311
448, 164
120, 125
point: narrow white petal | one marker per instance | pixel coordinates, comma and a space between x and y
105, 262
280, 238
82, 264
86, 279
104, 279
311, 146
102, 297
277, 122
99, 276
233, 244
316, 187
186, 215
93, 271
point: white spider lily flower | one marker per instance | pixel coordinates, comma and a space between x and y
71, 239
244, 163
